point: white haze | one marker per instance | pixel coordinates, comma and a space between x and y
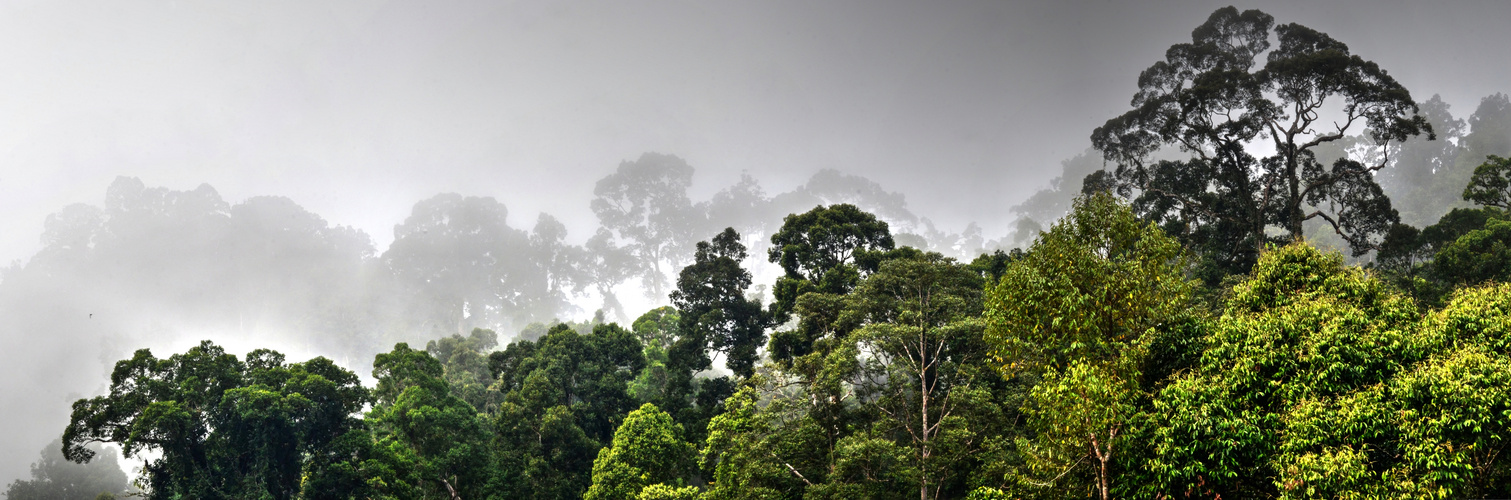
356, 110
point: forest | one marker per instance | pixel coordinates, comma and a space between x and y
1275, 276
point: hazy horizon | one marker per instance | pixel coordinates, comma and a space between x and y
357, 111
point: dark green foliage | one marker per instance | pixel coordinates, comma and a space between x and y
715, 315
823, 253
1478, 256
992, 266
1465, 247
436, 443
816, 250
224, 428
1491, 184
564, 395
1208, 98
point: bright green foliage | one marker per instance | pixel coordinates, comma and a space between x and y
224, 428
1082, 306
55, 478
1319, 381
1089, 287
563, 397
744, 450
664, 492
1296, 345
434, 440
1455, 424
1080, 416
1455, 416
647, 450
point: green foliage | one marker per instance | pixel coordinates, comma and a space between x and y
1302, 334
466, 364
715, 315
1080, 417
1081, 308
664, 492
744, 450
922, 335
647, 450
1320, 381
1491, 184
1478, 256
1089, 287
657, 330
434, 441
817, 251
224, 428
563, 397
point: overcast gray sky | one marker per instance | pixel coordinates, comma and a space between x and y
357, 109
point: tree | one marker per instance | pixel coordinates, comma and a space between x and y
647, 450
1466, 246
657, 329
1286, 393
645, 203
223, 428
456, 257
1081, 307
715, 315
822, 251
429, 434
564, 395
921, 337
1208, 99
465, 362
1491, 184
1424, 176
814, 245
1478, 256
53, 477
1088, 288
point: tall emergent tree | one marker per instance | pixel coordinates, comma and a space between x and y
715, 314
1209, 98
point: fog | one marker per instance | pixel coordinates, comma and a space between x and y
330, 178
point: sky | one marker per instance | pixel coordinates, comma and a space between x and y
358, 109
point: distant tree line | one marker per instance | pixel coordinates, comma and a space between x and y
1176, 334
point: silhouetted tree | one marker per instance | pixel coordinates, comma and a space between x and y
1208, 98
